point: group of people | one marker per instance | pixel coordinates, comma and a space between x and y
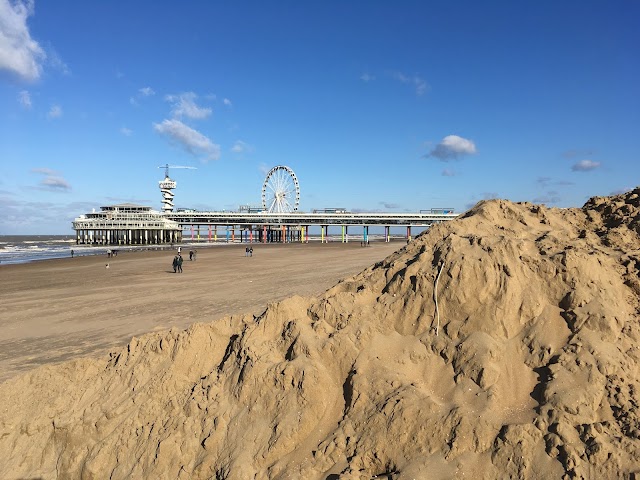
177, 263
177, 260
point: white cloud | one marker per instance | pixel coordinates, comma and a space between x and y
585, 166
147, 91
227, 102
55, 111
52, 181
419, 83
191, 140
55, 183
365, 77
25, 99
127, 132
19, 53
453, 147
184, 105
447, 172
241, 147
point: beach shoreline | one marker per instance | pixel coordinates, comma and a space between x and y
65, 308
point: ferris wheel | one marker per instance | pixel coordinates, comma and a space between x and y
281, 190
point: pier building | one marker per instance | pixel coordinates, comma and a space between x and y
126, 224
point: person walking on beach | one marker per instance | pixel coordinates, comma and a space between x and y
190, 255
195, 252
246, 251
175, 264
179, 263
251, 251
71, 253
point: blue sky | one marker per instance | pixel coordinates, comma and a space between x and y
376, 106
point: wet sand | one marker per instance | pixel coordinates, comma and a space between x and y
60, 309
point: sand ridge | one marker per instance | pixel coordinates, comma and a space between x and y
532, 371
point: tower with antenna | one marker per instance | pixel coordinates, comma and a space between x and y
167, 186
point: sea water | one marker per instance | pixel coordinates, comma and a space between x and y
29, 248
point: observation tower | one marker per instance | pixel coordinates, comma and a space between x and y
166, 187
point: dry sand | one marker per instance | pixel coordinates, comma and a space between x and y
66, 308
500, 345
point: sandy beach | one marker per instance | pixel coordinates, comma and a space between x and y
56, 310
503, 344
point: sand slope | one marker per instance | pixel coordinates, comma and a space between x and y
528, 368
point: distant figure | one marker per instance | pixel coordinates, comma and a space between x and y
179, 263
190, 255
251, 251
246, 251
175, 264
114, 253
107, 266
108, 253
71, 253
195, 252
179, 250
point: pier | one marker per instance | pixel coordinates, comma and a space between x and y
128, 224
277, 220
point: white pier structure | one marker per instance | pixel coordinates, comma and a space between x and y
128, 224
269, 227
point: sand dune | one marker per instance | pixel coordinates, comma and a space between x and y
527, 368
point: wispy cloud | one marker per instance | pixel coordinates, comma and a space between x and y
147, 91
551, 198
577, 152
264, 168
546, 181
241, 147
447, 172
585, 166
51, 181
25, 99
366, 77
20, 55
55, 112
389, 205
142, 93
418, 83
184, 105
127, 132
191, 140
452, 147
227, 102
54, 60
